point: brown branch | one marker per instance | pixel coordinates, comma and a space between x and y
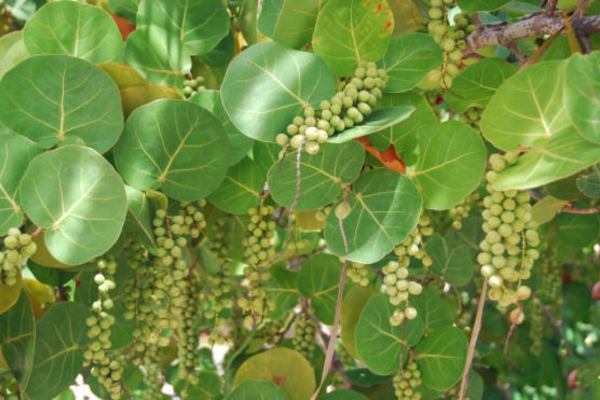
539, 24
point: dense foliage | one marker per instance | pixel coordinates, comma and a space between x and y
349, 199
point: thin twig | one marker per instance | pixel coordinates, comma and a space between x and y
473, 341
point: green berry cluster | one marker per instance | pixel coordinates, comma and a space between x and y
537, 326
471, 117
17, 248
305, 330
347, 108
412, 245
153, 377
256, 303
507, 253
188, 344
260, 232
193, 85
359, 273
407, 381
450, 37
461, 210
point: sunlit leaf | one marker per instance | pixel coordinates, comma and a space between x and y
383, 209
9, 294
70, 28
241, 189
284, 81
78, 198
581, 96
544, 210
319, 280
296, 21
12, 51
441, 357
380, 344
408, 59
259, 390
136, 96
16, 152
160, 58
320, 177
51, 98
172, 144
58, 356
476, 85
450, 165
267, 20
348, 31
199, 24
17, 337
285, 367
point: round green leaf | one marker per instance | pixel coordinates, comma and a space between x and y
383, 209
441, 357
352, 305
175, 145
51, 98
160, 57
139, 217
375, 122
277, 94
435, 310
285, 367
321, 175
269, 13
70, 28
12, 51
577, 230
59, 355
78, 198
248, 390
348, 31
241, 189
581, 95
451, 164
200, 24
544, 210
380, 344
319, 280
239, 144
343, 394
589, 184
18, 338
408, 60
296, 21
529, 110
16, 152
455, 264
125, 8
476, 85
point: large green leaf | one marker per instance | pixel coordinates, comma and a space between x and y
436, 311
295, 24
16, 152
74, 29
528, 110
455, 264
12, 51
348, 31
352, 305
577, 230
380, 344
59, 350
161, 58
78, 198
383, 209
476, 85
17, 339
441, 357
268, 84
139, 215
582, 97
286, 367
175, 145
259, 390
239, 144
408, 60
376, 122
51, 98
282, 288
241, 189
319, 280
208, 386
267, 20
450, 165
199, 24
321, 176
